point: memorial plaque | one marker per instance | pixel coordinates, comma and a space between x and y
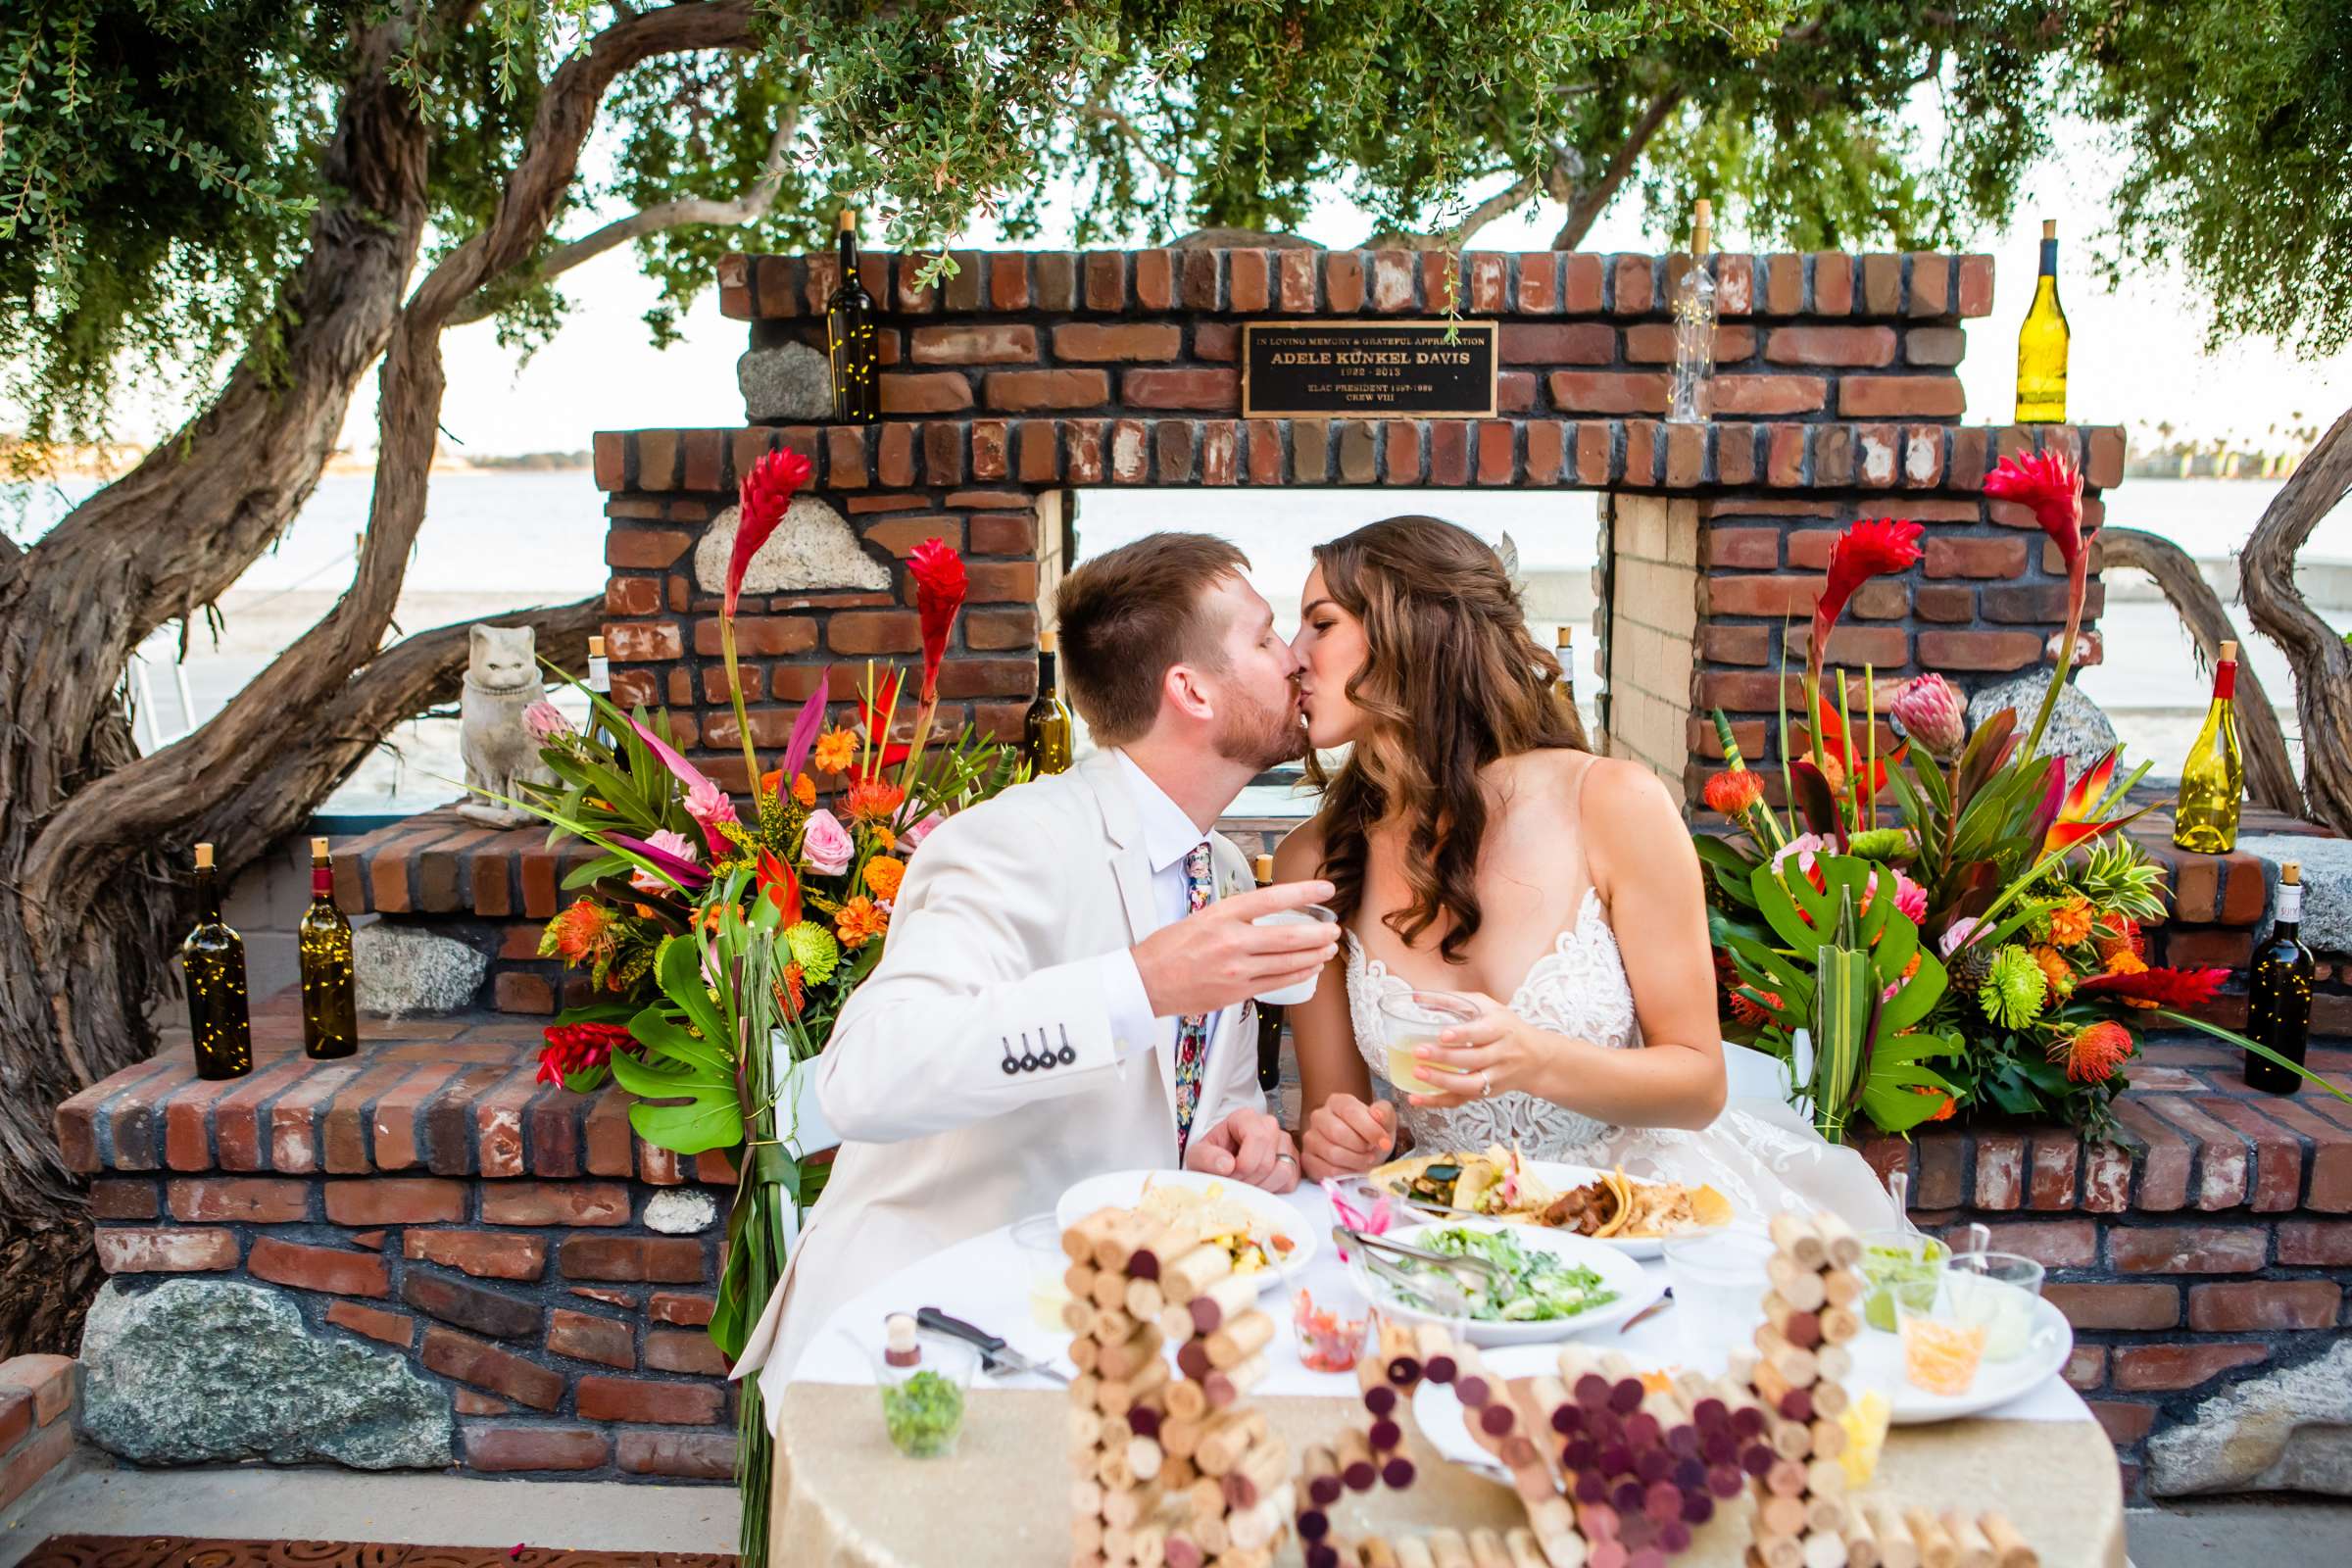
1442, 370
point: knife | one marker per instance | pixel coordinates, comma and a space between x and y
993, 1351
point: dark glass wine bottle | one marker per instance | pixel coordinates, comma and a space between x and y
1269, 1014
331, 1014
850, 337
2279, 993
1045, 727
599, 686
212, 959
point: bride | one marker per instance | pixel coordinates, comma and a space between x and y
1480, 848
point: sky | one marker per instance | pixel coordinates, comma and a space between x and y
2138, 354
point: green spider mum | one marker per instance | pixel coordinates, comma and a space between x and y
1885, 844
815, 952
2012, 995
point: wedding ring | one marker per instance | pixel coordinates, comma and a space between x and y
1485, 1084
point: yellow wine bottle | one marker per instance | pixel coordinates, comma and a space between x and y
2041, 344
2213, 777
1045, 727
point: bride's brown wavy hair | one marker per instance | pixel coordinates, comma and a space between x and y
1451, 680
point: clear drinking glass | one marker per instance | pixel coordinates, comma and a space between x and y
922, 1405
1941, 1350
1719, 1282
1900, 1265
1414, 1019
1039, 1237
1331, 1322
1997, 1291
1307, 914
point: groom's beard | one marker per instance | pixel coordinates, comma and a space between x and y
1261, 737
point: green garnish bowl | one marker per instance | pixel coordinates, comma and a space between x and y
1899, 1268
923, 1405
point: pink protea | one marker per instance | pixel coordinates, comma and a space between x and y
545, 722
1933, 713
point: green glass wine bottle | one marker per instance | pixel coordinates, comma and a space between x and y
1045, 727
849, 339
212, 959
330, 1014
2278, 992
2213, 779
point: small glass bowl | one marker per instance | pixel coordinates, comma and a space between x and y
1331, 1331
922, 1405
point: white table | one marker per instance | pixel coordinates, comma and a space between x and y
986, 1280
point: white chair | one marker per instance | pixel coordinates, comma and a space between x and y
1752, 1074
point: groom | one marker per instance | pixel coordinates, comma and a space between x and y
1067, 987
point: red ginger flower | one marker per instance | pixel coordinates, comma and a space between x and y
766, 491
2176, 988
577, 1046
2048, 483
1734, 793
1865, 550
2094, 1052
940, 584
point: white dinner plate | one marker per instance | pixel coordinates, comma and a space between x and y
1561, 1176
1635, 1288
1439, 1415
1124, 1188
1879, 1364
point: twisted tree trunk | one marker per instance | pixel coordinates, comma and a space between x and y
2322, 660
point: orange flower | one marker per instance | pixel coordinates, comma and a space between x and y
2093, 1051
2119, 933
836, 750
859, 922
1734, 793
2071, 922
579, 934
874, 801
2055, 969
1942, 1112
804, 789
884, 874
2123, 960
1834, 772
794, 991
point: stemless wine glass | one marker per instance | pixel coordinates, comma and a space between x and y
1413, 1019
1306, 914
1997, 1291
1719, 1280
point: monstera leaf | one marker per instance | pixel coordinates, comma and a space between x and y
686, 1095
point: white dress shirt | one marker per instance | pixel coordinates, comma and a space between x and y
1169, 835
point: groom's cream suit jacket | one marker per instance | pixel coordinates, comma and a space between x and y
1005, 941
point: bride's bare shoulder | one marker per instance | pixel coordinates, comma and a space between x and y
1624, 796
1299, 854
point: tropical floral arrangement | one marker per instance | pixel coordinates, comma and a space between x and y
1952, 924
721, 938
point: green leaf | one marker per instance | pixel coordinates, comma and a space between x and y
658, 1031
681, 976
688, 1129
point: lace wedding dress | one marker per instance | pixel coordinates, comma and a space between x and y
1761, 1154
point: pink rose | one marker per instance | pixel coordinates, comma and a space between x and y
545, 722
826, 848
914, 836
708, 806
669, 842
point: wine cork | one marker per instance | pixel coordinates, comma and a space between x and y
1935, 1547
1896, 1548
1845, 1247
1239, 1339
1487, 1549
1144, 1299
1152, 1254
1975, 1551
1078, 1315
1195, 1271
1181, 1550
1258, 1472
1861, 1541
1798, 1240
1112, 1325
1110, 1468
1144, 1458
1436, 1346
1230, 1297
1519, 1543
1125, 1358
1078, 1241
1150, 1546
1229, 1384
1109, 1289
1079, 1280
1127, 1505
1117, 1396
1086, 1537
1448, 1549
1356, 1468
1086, 1353
2007, 1542
1182, 1438
1376, 1553
899, 1347
1840, 1286
1186, 1401
1396, 1354
1824, 1551
1227, 1437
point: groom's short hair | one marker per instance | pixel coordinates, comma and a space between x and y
1129, 614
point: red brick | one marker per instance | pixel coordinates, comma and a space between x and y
866, 632
392, 1328
695, 1456
526, 994
774, 636
2115, 1307
1961, 557
2186, 1249
482, 1254
1652, 343
683, 1351
671, 1261
2194, 948
645, 1402
1607, 392
2222, 1156
644, 549
975, 343
2140, 1367
2165, 1158
585, 1337
1104, 341
642, 643
1001, 582
125, 1250
121, 1199
925, 392
2054, 1243
1976, 285
1023, 390
1941, 1160
2126, 1423
2050, 1166
1736, 645
1940, 650
2277, 1152
249, 1200
2086, 1366
1772, 597
471, 1360
1768, 394
1632, 286
15, 1417
470, 1307
1881, 397
669, 1306
47, 1379
1868, 346
514, 1449
1556, 343
48, 1448
633, 596
2254, 1305
1205, 390
1495, 452
317, 1269
2302, 1244
1784, 458
395, 1201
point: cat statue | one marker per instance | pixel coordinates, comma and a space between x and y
501, 679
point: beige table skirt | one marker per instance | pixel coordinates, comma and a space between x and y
845, 1499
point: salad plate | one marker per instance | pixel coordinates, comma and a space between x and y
1264, 1234
1546, 1284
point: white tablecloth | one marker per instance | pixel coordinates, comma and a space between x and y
986, 1280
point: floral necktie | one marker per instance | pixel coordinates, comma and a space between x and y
1191, 1031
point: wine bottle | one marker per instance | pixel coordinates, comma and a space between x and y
1045, 727
331, 1015
2214, 777
2278, 992
212, 959
1566, 643
850, 336
1269, 1014
2041, 344
600, 685
1695, 327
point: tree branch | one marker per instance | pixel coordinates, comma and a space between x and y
2269, 772
2322, 660
1589, 202
1510, 197
749, 207
1134, 137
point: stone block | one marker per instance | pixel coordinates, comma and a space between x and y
404, 971
2288, 1430
791, 383
813, 548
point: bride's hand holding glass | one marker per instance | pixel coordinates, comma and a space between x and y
1347, 1137
1494, 1052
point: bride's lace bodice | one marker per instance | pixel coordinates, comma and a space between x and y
1577, 989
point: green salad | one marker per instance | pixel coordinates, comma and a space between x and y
1529, 1285
923, 1414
